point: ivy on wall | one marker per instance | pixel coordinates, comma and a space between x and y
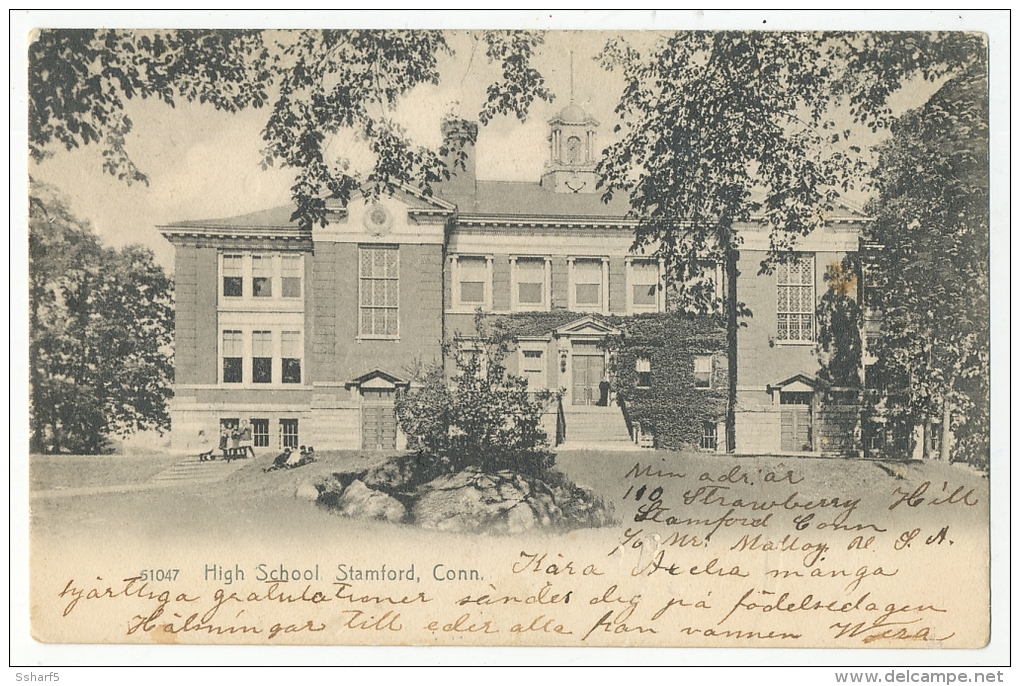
671, 407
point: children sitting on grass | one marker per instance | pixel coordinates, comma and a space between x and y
289, 459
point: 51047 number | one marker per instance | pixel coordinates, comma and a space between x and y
159, 574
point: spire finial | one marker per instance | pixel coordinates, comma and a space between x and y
571, 77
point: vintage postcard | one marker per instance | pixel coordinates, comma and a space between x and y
555, 338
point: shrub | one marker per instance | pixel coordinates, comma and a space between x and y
481, 416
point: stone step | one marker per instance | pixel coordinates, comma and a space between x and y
614, 446
194, 470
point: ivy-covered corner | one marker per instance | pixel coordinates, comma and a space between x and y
670, 373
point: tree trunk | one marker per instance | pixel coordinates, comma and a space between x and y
946, 433
732, 255
926, 440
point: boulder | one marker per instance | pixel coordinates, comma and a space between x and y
466, 501
361, 502
307, 491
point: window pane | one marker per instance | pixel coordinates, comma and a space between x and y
290, 266
291, 370
589, 294
644, 271
645, 294
530, 269
262, 343
233, 265
231, 370
291, 287
262, 370
643, 364
262, 287
588, 271
261, 265
290, 344
289, 433
472, 291
232, 344
260, 432
530, 293
233, 286
472, 268
703, 363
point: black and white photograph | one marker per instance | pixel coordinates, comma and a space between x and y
344, 330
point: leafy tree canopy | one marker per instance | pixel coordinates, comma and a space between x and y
100, 334
315, 83
722, 127
930, 266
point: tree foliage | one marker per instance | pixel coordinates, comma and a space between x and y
724, 128
480, 417
840, 320
316, 83
100, 334
930, 273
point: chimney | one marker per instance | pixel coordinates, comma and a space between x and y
458, 152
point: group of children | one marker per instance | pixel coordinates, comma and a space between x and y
289, 458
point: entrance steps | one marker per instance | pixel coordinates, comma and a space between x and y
589, 427
192, 470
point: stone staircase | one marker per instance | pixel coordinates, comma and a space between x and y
591, 427
191, 470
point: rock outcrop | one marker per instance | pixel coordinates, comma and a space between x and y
471, 500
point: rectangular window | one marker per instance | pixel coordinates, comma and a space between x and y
588, 283
703, 371
644, 284
709, 436
291, 276
473, 274
795, 307
643, 367
233, 352
533, 369
531, 278
262, 276
379, 285
290, 350
233, 276
262, 357
289, 433
260, 432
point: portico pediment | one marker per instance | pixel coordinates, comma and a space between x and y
799, 382
592, 325
378, 379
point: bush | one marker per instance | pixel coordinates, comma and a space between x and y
480, 416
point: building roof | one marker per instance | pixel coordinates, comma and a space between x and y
516, 199
275, 218
496, 199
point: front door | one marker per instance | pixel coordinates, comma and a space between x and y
796, 421
589, 366
378, 420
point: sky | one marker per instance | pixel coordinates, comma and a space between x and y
203, 163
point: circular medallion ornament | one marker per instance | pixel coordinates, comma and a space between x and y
378, 220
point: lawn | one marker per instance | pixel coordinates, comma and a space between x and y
252, 517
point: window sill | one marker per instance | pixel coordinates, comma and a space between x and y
780, 344
377, 338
